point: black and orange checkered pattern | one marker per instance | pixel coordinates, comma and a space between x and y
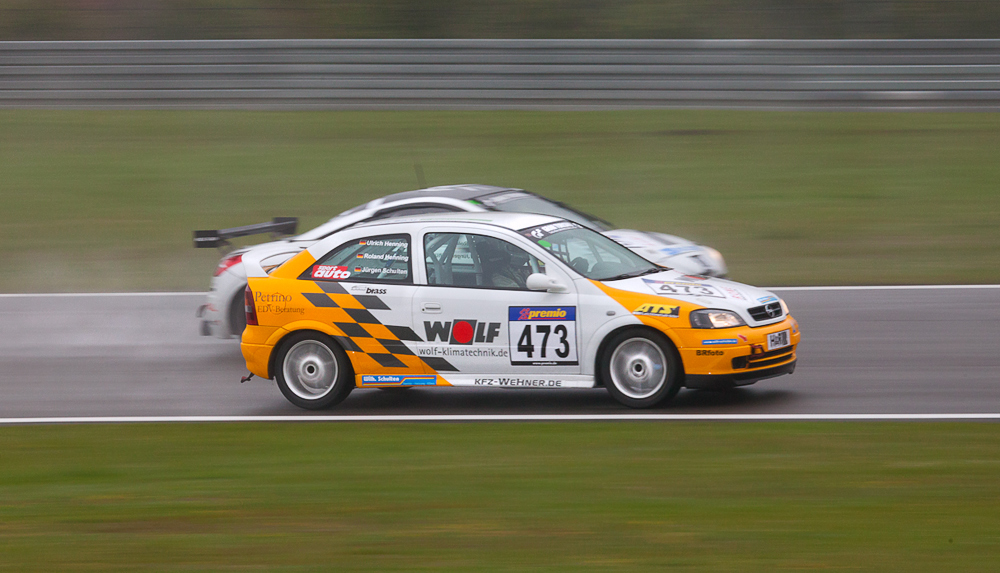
373, 347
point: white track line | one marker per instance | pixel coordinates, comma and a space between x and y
780, 289
886, 287
503, 418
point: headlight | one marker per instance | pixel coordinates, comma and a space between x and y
716, 256
712, 261
715, 319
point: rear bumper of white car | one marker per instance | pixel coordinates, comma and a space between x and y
205, 329
214, 316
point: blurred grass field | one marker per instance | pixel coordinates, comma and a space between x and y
107, 200
906, 497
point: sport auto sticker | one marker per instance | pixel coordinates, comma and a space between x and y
542, 335
674, 288
330, 272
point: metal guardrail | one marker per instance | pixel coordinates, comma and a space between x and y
503, 74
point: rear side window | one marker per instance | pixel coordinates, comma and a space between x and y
378, 259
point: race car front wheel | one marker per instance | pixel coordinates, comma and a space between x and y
640, 368
313, 372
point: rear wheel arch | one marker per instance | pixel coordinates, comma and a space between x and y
276, 348
312, 369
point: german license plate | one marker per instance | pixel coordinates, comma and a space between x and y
777, 340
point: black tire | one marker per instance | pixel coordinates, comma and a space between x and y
313, 371
631, 364
238, 314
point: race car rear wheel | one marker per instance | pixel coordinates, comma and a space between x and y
238, 314
640, 368
313, 372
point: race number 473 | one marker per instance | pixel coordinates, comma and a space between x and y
542, 336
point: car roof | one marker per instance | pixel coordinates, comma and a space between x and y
512, 221
462, 192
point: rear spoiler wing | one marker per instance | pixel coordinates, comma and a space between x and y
220, 237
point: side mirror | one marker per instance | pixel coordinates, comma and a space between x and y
538, 281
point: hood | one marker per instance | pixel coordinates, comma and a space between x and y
671, 251
750, 302
654, 242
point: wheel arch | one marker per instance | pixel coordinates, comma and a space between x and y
282, 334
599, 338
603, 347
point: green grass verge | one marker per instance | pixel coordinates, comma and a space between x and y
562, 497
108, 200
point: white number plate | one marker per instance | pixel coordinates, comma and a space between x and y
777, 340
542, 335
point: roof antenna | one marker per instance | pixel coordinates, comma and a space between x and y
420, 174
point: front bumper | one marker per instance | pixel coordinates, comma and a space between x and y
213, 317
736, 356
725, 381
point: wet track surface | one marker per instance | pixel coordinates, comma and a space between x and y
863, 351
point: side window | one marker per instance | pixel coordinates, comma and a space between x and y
477, 261
584, 256
384, 258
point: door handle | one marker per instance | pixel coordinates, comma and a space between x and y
431, 307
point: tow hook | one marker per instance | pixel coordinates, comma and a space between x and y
246, 378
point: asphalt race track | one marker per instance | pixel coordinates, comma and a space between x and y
864, 351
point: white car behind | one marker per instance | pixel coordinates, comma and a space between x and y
222, 315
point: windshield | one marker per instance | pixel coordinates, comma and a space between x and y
589, 253
524, 202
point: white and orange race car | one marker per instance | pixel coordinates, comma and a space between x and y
501, 299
